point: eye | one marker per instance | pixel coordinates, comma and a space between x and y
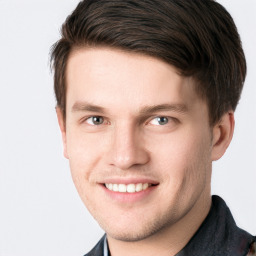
159, 120
95, 120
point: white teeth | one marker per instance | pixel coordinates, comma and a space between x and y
139, 187
122, 188
145, 186
115, 188
130, 188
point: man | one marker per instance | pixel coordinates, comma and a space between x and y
146, 93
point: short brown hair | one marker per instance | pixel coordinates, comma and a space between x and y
197, 37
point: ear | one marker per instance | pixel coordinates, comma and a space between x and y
222, 135
62, 126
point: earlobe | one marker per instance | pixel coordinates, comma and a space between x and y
62, 126
222, 135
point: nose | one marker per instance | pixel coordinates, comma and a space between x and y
127, 148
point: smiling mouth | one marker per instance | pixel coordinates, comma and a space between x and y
129, 188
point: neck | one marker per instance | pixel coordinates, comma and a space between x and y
168, 241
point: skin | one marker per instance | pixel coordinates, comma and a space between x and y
128, 92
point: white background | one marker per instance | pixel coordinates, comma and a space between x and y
40, 211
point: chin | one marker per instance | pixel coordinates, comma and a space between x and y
137, 232
133, 236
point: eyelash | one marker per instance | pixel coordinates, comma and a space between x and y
169, 119
92, 117
158, 118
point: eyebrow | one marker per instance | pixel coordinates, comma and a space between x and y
146, 110
84, 106
180, 108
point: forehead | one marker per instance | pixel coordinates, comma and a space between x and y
115, 79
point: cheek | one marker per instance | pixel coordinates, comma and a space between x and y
182, 158
185, 169
83, 149
83, 157
81, 164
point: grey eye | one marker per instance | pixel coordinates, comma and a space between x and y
160, 120
95, 120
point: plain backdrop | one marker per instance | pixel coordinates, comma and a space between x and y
40, 211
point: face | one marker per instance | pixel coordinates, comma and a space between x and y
138, 140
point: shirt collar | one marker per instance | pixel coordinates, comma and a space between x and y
105, 247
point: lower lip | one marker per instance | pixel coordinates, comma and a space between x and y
129, 197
